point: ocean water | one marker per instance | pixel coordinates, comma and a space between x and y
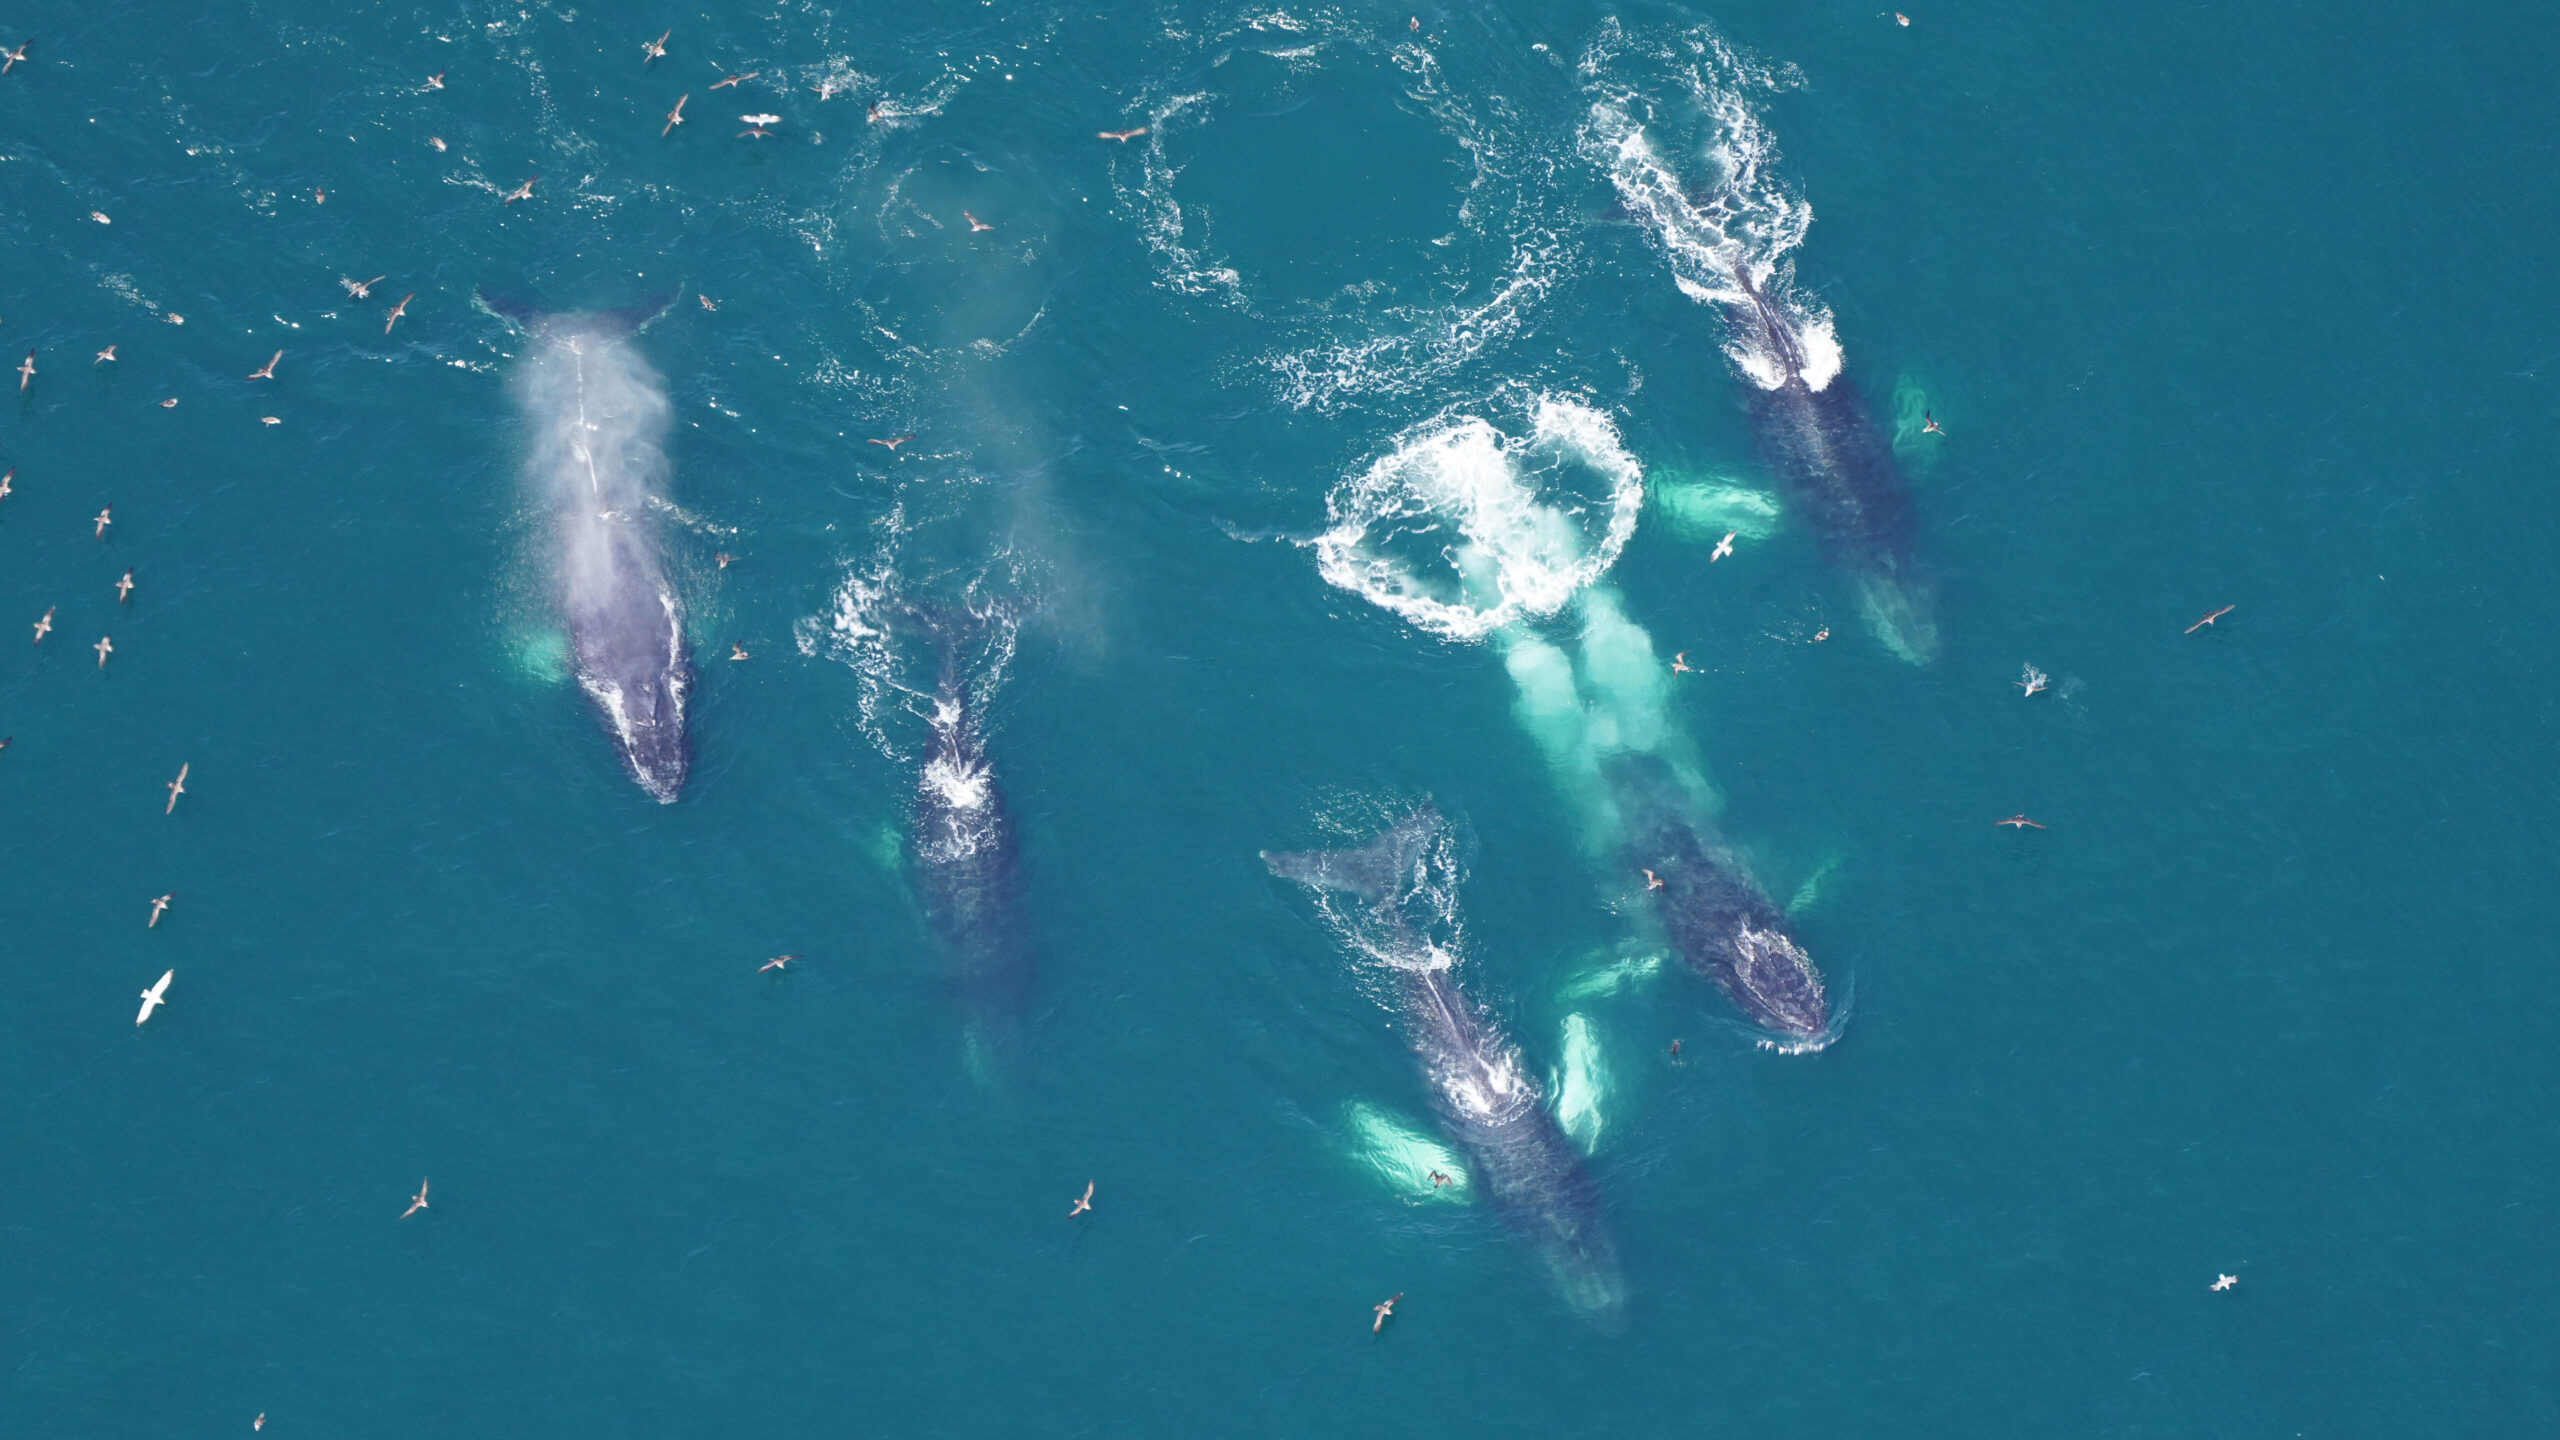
1356, 434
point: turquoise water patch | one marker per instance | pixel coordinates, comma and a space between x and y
542, 654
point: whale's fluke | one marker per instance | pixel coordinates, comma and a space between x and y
1379, 871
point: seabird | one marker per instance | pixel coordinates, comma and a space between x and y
758, 125
723, 558
707, 302
1385, 1308
778, 962
894, 441
417, 1202
675, 117
2019, 822
728, 80
397, 311
269, 420
178, 786
320, 195
104, 522
1652, 881
2209, 619
101, 217
5, 478
268, 370
156, 996
1680, 664
360, 289
2033, 682
1929, 424
975, 224
1084, 1201
124, 588
737, 651
45, 625
656, 49
2223, 1282
26, 372
158, 904
438, 142
1724, 547
1822, 634
106, 646
105, 355
14, 55
1123, 136
436, 81
522, 191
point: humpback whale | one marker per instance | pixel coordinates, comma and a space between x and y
1837, 464
1404, 882
598, 413
1715, 914
968, 867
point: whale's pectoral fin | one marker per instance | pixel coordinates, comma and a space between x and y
1375, 871
1581, 1084
1406, 1158
1703, 507
1811, 890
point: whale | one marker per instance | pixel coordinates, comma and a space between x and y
598, 418
1713, 912
1839, 470
967, 861
1400, 917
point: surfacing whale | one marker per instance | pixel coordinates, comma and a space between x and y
1844, 479
598, 417
1404, 886
1715, 914
969, 870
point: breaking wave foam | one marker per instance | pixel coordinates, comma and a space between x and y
1741, 218
1462, 529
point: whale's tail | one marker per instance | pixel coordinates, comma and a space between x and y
532, 319
1379, 872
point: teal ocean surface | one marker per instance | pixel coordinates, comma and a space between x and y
1356, 430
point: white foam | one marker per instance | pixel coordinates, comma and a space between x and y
1180, 267
962, 786
1462, 529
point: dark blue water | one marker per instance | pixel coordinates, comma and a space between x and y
1281, 445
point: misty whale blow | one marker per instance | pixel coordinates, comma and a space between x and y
598, 416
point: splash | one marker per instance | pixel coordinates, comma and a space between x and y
1462, 530
1740, 219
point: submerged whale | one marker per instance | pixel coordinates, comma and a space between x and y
1841, 472
969, 870
1405, 884
1715, 914
599, 415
